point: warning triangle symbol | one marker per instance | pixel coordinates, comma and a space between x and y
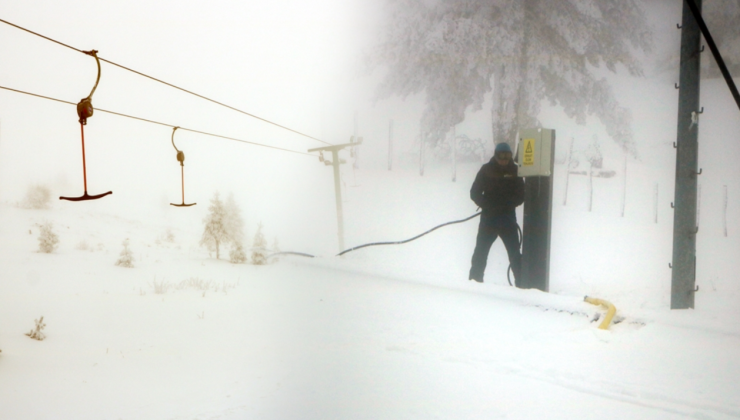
529, 148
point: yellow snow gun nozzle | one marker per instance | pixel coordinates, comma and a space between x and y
611, 310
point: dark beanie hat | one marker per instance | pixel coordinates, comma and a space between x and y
502, 147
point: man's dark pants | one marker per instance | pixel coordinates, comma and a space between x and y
490, 228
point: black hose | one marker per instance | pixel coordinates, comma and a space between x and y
302, 254
519, 230
520, 247
407, 240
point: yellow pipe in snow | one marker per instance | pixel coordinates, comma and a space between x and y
611, 310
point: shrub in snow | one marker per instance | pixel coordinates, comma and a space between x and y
259, 247
237, 254
160, 287
166, 236
83, 246
37, 197
127, 258
36, 334
48, 240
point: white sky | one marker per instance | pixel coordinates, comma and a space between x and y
284, 61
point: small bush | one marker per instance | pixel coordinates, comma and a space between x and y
37, 334
192, 283
37, 197
127, 258
160, 287
48, 240
259, 248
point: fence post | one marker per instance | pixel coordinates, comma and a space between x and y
454, 155
724, 212
655, 203
390, 145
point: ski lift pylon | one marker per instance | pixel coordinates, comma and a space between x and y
85, 111
181, 159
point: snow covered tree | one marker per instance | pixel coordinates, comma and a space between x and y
259, 247
531, 49
126, 258
237, 254
224, 226
48, 240
233, 221
215, 231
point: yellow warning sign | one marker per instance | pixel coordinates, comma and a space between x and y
528, 158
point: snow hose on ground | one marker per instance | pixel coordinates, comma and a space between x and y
611, 310
410, 239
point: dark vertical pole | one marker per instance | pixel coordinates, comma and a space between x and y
683, 276
535, 273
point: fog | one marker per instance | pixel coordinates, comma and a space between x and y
280, 61
297, 64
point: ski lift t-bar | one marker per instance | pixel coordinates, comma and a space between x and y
85, 111
335, 162
181, 159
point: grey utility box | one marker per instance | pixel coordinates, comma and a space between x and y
534, 152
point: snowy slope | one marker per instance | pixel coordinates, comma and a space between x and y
383, 332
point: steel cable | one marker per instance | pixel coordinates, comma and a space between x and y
205, 133
166, 83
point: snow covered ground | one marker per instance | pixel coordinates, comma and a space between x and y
395, 332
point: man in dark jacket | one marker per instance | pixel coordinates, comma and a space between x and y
497, 190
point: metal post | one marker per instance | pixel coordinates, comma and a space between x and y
624, 185
390, 145
454, 155
724, 212
567, 170
355, 151
537, 227
338, 196
421, 154
683, 277
335, 162
655, 203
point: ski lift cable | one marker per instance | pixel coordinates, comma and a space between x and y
205, 133
168, 84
